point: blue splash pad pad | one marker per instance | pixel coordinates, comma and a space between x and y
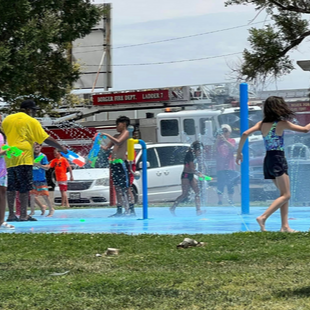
217, 220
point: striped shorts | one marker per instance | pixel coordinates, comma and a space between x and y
40, 189
4, 181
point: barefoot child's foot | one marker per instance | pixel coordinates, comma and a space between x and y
43, 209
31, 213
200, 212
51, 213
172, 210
261, 223
288, 230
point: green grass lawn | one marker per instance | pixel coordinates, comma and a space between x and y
235, 271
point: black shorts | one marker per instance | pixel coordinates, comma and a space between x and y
20, 179
275, 164
119, 174
188, 176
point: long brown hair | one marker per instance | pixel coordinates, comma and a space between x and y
276, 109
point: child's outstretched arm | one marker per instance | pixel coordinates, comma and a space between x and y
244, 137
45, 167
290, 126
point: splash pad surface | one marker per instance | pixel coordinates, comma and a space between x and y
217, 220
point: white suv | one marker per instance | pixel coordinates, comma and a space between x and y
165, 165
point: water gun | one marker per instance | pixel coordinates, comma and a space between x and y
93, 154
39, 158
74, 158
205, 178
12, 151
219, 132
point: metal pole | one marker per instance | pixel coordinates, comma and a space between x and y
130, 156
245, 171
144, 179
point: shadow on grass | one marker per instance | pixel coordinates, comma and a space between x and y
301, 292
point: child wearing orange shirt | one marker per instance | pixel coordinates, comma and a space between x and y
61, 164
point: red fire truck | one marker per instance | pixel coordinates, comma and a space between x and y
207, 102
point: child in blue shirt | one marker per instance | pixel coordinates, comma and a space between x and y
39, 181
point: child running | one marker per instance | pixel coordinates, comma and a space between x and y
187, 178
276, 116
39, 182
61, 164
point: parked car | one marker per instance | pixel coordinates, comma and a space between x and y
165, 165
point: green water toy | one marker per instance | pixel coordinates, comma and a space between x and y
205, 178
12, 151
39, 158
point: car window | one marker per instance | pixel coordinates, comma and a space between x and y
151, 158
171, 155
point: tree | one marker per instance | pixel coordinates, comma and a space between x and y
35, 36
270, 46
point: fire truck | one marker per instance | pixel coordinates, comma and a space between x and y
186, 114
189, 113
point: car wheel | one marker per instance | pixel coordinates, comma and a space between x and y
51, 178
54, 177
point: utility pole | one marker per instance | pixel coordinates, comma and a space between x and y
106, 58
107, 46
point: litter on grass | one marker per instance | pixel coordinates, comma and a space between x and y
112, 251
59, 273
188, 243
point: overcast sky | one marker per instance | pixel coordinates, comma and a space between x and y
143, 21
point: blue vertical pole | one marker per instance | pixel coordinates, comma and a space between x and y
245, 171
144, 179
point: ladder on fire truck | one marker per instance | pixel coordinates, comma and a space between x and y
196, 96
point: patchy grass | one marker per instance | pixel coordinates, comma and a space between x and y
236, 271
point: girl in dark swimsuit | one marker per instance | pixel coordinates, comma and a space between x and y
276, 116
187, 178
